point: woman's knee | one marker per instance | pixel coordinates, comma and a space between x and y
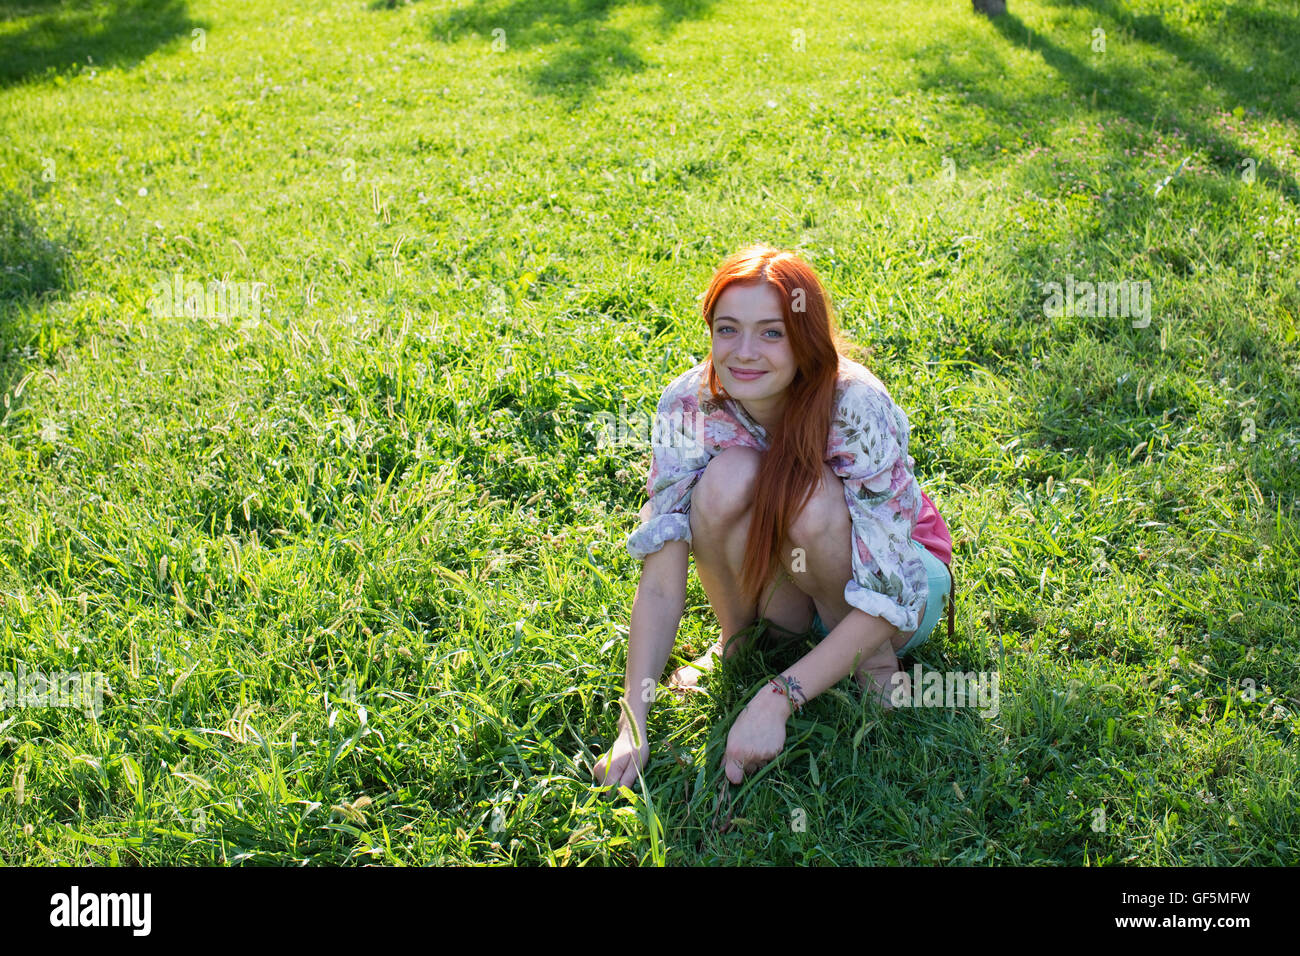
726, 489
825, 516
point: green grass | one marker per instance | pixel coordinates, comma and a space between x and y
385, 493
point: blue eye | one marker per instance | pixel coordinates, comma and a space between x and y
731, 328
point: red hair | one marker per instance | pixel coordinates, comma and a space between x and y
791, 468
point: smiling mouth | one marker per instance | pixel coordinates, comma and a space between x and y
747, 372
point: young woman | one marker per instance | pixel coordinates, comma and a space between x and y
782, 465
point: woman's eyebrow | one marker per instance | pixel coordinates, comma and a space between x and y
730, 318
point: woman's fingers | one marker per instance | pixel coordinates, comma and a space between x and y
615, 769
620, 765
756, 738
628, 776
738, 770
616, 772
737, 753
740, 764
735, 771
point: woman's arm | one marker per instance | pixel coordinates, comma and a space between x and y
656, 613
758, 734
662, 544
854, 640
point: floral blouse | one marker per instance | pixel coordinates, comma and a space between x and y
867, 448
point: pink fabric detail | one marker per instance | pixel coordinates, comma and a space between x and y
932, 531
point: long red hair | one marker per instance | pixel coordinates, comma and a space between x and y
791, 468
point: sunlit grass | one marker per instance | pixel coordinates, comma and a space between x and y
353, 566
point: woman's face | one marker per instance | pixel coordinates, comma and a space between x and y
750, 335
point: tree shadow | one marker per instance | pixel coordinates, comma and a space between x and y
1106, 381
1125, 96
584, 52
33, 267
31, 263
52, 37
1272, 79
1105, 377
1026, 113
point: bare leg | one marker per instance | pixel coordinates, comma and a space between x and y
821, 564
721, 512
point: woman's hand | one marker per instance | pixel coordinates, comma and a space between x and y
758, 735
630, 752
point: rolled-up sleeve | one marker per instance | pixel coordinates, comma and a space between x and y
869, 439
678, 460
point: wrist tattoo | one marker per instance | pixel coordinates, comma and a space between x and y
789, 686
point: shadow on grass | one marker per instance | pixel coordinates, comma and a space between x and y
583, 51
39, 38
1106, 383
1159, 102
1125, 95
1270, 82
33, 267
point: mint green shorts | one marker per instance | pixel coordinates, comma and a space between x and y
940, 582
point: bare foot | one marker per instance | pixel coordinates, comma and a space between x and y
687, 677
880, 669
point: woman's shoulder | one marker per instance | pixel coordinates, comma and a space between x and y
688, 387
688, 381
864, 413
857, 386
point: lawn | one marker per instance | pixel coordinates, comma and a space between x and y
313, 317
